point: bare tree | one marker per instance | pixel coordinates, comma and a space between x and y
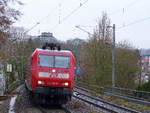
8, 16
96, 54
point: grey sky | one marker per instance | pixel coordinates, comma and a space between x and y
121, 12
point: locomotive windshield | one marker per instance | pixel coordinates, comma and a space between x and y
62, 61
54, 61
46, 61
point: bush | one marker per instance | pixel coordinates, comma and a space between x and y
144, 87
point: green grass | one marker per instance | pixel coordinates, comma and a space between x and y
127, 104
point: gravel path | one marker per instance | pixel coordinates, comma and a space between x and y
22, 102
4, 106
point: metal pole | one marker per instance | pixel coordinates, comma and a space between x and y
140, 82
113, 57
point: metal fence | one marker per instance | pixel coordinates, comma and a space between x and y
141, 95
144, 95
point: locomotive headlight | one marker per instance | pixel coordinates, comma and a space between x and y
63, 75
65, 84
44, 74
41, 82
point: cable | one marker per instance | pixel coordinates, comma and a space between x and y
65, 18
83, 30
135, 22
71, 13
132, 3
86, 26
127, 6
121, 9
48, 15
32, 27
41, 20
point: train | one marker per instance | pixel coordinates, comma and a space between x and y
50, 75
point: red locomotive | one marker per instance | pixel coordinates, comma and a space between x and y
50, 75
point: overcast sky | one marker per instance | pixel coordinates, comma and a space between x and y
121, 12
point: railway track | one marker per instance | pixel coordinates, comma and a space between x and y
125, 97
103, 104
61, 109
131, 99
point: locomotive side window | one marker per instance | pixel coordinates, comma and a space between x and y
62, 62
46, 61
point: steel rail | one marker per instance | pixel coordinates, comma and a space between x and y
65, 109
101, 103
42, 109
121, 96
127, 98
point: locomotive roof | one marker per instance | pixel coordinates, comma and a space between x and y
48, 50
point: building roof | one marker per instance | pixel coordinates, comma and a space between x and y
145, 52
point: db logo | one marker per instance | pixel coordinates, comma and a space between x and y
53, 75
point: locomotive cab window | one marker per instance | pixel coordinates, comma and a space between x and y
62, 62
46, 61
54, 61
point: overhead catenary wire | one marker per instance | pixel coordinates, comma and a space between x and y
31, 28
41, 20
37, 23
125, 7
47, 16
118, 10
70, 14
135, 22
76, 9
52, 12
83, 30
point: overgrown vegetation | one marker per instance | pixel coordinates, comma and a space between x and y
144, 87
96, 58
127, 103
127, 66
8, 16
